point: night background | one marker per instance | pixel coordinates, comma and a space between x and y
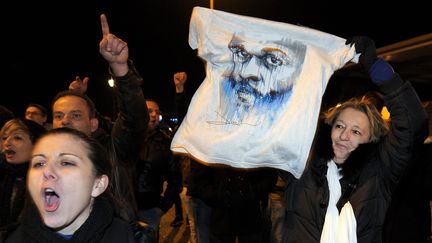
45, 45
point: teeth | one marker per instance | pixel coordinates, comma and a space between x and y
49, 192
7, 151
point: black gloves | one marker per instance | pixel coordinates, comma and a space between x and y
379, 70
365, 46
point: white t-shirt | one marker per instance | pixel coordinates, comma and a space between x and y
259, 103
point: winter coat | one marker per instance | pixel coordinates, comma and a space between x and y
408, 218
101, 227
236, 197
370, 174
12, 191
122, 139
157, 165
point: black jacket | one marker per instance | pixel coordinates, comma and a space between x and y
157, 165
12, 182
101, 226
237, 197
123, 138
408, 218
370, 174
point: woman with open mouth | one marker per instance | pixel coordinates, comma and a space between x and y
17, 139
69, 184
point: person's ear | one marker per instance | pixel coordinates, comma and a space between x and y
100, 185
94, 123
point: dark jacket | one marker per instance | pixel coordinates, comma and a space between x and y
237, 197
408, 218
101, 226
370, 174
12, 182
122, 141
157, 165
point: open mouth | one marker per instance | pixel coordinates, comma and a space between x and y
9, 153
51, 200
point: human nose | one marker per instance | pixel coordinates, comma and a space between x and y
153, 113
65, 121
344, 135
250, 70
49, 172
6, 141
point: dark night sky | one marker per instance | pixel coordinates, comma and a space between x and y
45, 45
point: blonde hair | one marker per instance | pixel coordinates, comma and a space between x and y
33, 129
378, 127
13, 125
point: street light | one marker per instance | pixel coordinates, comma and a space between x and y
111, 82
114, 105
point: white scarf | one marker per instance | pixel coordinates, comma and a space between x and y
338, 228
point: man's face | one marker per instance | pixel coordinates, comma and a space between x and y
72, 111
261, 71
33, 113
154, 112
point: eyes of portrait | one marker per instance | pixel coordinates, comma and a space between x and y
269, 57
240, 52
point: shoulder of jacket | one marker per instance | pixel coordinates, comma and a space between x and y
7, 231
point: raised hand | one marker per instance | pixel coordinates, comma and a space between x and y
79, 85
179, 79
365, 46
113, 49
379, 70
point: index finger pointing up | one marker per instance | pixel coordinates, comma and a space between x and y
104, 24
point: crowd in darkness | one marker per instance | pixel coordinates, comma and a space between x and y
71, 174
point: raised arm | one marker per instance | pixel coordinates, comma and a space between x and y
114, 50
132, 118
181, 102
408, 117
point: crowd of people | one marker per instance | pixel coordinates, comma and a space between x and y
86, 178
